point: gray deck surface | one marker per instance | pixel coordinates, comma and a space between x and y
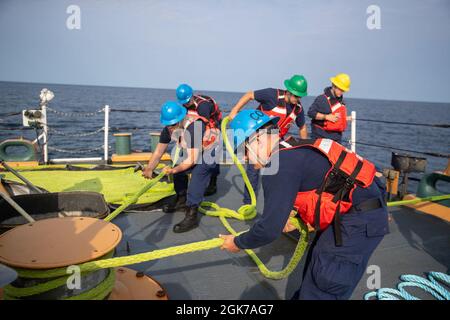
417, 243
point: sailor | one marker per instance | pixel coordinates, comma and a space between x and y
199, 139
208, 108
330, 188
284, 104
328, 111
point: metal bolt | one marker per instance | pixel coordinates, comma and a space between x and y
139, 274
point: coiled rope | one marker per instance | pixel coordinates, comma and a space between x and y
99, 292
430, 285
246, 212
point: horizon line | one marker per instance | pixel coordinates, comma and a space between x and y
207, 90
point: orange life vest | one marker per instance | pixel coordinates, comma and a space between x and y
280, 110
319, 207
216, 115
211, 136
338, 109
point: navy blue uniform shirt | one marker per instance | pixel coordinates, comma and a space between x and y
321, 105
268, 98
301, 169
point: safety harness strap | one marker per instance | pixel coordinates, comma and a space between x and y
332, 173
216, 115
349, 184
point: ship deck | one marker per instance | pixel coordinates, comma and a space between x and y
417, 243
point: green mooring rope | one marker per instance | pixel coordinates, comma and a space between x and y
59, 276
246, 212
99, 292
418, 200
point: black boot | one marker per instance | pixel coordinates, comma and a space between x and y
189, 222
212, 187
178, 204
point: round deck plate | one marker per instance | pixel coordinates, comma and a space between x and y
131, 287
58, 242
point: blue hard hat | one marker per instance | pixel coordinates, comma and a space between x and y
172, 112
247, 122
184, 93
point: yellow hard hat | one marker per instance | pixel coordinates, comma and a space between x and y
342, 81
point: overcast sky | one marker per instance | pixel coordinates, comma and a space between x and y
230, 45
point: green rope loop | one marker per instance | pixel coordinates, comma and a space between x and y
58, 278
245, 212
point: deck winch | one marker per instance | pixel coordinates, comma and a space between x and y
65, 243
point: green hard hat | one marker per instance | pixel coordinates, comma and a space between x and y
297, 85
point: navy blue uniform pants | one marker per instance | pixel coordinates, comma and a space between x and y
331, 272
253, 177
195, 189
216, 171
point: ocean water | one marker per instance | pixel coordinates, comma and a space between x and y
15, 97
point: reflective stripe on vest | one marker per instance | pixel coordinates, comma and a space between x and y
211, 135
216, 115
332, 197
280, 110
